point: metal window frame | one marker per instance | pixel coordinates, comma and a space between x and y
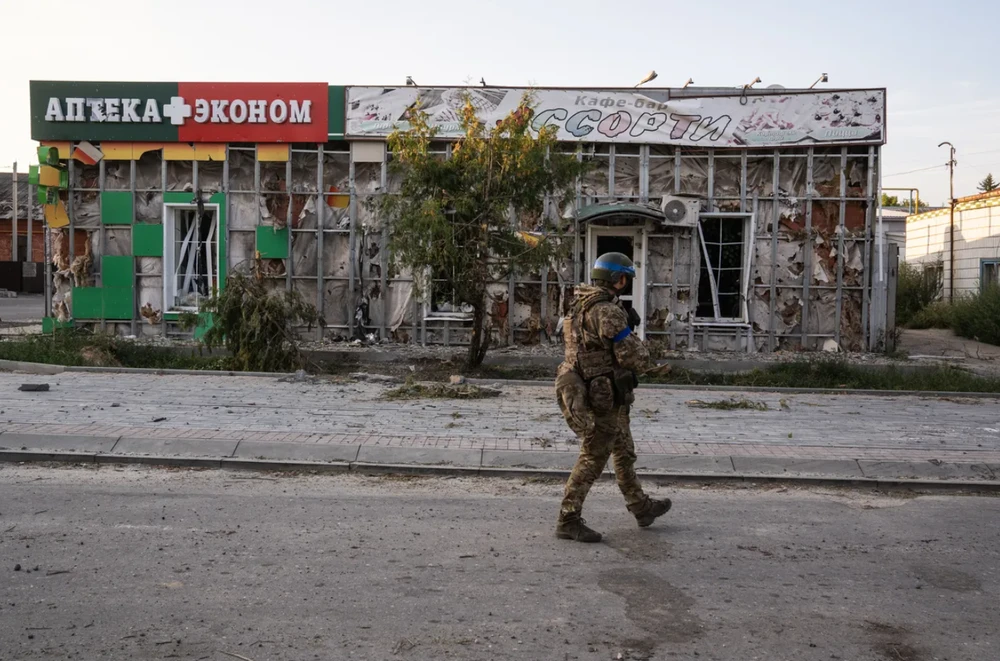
168, 267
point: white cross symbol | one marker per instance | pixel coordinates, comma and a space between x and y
177, 110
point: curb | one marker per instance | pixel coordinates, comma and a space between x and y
42, 369
789, 391
366, 468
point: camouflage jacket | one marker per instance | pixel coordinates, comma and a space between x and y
598, 324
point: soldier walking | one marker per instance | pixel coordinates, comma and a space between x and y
594, 386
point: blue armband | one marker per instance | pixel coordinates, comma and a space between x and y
622, 335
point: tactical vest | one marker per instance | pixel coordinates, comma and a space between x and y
593, 359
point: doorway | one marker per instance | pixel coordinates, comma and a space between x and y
631, 242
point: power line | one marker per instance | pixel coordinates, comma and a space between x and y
899, 174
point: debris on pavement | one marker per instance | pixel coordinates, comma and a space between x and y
34, 387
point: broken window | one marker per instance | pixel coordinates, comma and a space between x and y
191, 253
722, 287
934, 278
991, 274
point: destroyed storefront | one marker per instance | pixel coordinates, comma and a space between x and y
750, 215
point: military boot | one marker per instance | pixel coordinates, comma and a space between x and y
650, 510
576, 529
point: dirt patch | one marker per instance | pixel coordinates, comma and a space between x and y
889, 642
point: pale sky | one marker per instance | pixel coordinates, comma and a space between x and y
937, 59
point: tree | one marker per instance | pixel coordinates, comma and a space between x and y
988, 184
894, 201
451, 219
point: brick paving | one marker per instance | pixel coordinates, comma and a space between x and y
525, 418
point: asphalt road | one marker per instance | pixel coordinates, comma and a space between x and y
133, 563
24, 308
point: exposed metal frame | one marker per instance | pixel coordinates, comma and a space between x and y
675, 241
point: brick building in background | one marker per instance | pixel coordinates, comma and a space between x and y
13, 270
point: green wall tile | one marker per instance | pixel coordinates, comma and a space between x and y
118, 302
271, 243
87, 303
117, 271
116, 208
50, 324
178, 197
147, 240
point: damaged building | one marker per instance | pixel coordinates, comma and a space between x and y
751, 214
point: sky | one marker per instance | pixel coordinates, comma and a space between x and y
936, 59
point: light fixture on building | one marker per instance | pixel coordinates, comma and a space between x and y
690, 81
752, 83
822, 79
649, 76
409, 82
482, 81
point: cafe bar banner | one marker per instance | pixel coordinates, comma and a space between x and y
773, 119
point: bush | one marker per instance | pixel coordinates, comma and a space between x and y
257, 326
915, 290
978, 317
939, 314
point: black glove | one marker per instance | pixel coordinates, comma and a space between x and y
633, 318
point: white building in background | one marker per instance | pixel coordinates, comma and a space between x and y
974, 247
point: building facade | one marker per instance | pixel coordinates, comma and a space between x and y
751, 214
969, 256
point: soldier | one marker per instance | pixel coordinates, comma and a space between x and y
594, 386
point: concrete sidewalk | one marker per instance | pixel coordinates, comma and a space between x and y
255, 422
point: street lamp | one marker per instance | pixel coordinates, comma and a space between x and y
649, 77
822, 79
690, 81
752, 83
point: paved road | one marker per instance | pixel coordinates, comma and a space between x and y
523, 419
153, 564
26, 307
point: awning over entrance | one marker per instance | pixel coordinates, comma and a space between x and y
620, 213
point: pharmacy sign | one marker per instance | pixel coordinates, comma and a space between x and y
180, 112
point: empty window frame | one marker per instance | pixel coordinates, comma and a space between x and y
190, 255
723, 286
934, 278
989, 274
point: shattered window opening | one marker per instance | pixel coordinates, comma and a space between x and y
192, 256
723, 283
991, 275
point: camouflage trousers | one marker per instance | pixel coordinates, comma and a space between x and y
609, 436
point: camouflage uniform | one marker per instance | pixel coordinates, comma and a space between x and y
598, 338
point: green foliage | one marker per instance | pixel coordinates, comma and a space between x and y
915, 290
413, 390
898, 201
257, 326
837, 374
451, 218
988, 184
978, 317
938, 314
79, 348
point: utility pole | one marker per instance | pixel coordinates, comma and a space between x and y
951, 224
13, 220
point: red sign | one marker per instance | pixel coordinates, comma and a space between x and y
249, 112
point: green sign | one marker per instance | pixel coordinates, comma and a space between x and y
186, 112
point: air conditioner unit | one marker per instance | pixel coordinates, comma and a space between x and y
680, 211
